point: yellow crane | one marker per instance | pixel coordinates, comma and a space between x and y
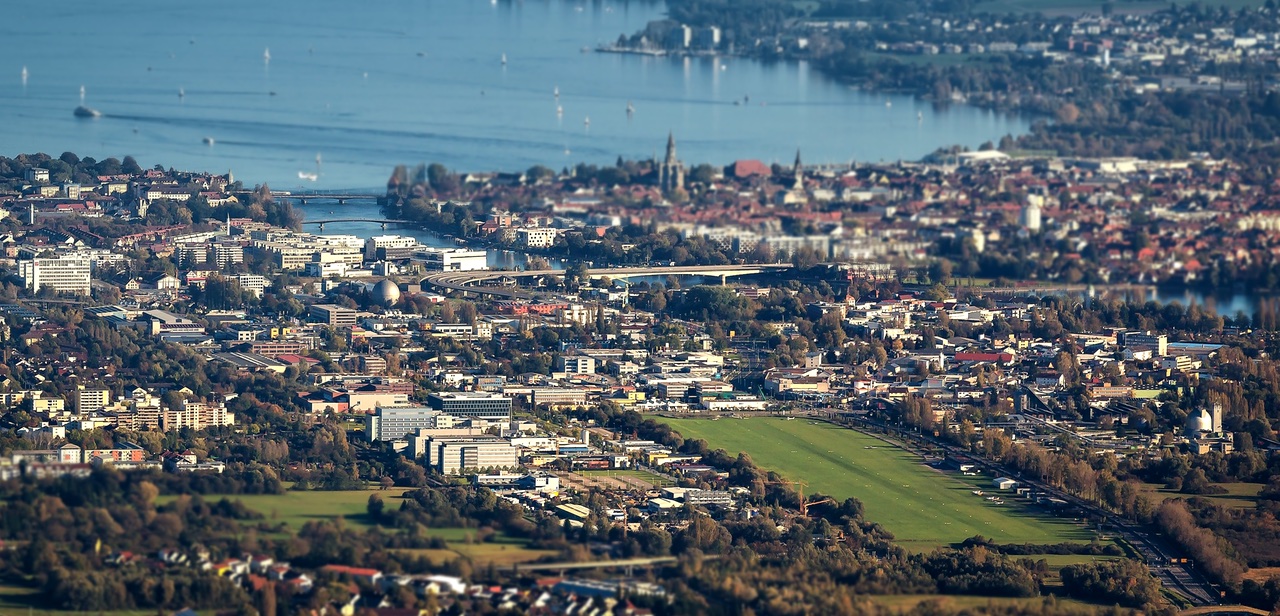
799, 487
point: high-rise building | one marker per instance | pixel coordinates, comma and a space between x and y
191, 254
92, 399
65, 274
226, 253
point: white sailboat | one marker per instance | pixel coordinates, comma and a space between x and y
266, 56
24, 76
559, 111
587, 122
181, 93
311, 177
631, 109
84, 111
504, 59
557, 92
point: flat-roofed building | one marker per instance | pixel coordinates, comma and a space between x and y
483, 405
333, 315
396, 422
65, 274
92, 399
453, 259
452, 455
557, 396
1145, 341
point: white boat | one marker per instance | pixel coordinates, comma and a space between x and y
557, 92
888, 104
504, 59
208, 140
182, 93
586, 121
24, 76
919, 116
559, 110
266, 56
87, 112
310, 177
630, 108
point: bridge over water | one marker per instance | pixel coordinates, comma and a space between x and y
340, 197
465, 281
382, 221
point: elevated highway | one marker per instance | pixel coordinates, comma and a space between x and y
470, 282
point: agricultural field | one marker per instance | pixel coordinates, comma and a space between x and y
923, 507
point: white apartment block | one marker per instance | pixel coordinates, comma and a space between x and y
536, 237
253, 283
66, 274
372, 244
92, 399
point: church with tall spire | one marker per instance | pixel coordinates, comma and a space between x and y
670, 170
797, 171
796, 194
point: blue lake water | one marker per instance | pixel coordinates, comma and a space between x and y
368, 85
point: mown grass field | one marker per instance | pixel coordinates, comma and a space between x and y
1242, 495
297, 508
924, 508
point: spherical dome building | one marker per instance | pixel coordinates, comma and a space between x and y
386, 292
1200, 421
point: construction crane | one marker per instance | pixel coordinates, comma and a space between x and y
804, 506
799, 487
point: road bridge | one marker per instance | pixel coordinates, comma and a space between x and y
340, 197
382, 221
466, 281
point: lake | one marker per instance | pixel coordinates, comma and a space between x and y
351, 89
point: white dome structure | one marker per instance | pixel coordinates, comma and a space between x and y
1200, 421
386, 292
